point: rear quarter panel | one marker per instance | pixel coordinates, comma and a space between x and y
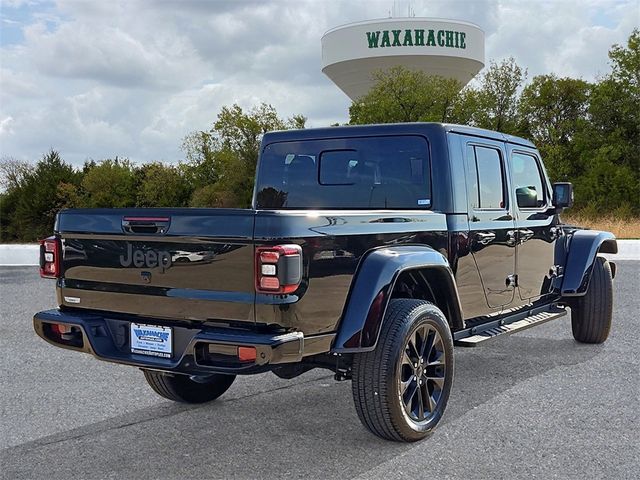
333, 244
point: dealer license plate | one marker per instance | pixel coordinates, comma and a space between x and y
151, 340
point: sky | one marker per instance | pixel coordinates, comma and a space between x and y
96, 79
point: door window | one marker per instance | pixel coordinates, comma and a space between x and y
486, 190
527, 181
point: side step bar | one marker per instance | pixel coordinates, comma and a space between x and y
471, 337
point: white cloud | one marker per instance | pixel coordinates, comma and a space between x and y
5, 126
111, 55
17, 3
560, 36
131, 77
17, 85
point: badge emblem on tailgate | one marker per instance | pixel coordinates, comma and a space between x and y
149, 258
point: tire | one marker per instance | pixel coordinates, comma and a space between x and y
181, 388
381, 376
591, 314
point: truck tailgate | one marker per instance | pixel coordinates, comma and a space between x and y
192, 264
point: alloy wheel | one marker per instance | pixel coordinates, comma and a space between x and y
422, 373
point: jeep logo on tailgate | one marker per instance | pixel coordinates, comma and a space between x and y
149, 258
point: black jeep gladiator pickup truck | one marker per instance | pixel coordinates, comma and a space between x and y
370, 251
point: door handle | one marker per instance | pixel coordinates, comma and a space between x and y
525, 234
146, 225
485, 238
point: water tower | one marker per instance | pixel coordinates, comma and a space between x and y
352, 53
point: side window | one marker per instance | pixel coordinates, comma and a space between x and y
472, 177
527, 181
490, 181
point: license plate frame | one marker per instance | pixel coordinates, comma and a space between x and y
152, 340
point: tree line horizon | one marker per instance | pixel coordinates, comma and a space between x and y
588, 133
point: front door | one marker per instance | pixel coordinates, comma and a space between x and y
491, 222
536, 225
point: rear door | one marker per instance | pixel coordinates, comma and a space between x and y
192, 264
491, 221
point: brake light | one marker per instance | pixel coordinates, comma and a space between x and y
278, 269
50, 257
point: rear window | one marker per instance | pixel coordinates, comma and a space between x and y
367, 172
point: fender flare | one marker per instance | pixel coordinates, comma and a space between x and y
371, 290
583, 250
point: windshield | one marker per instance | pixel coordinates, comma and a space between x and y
341, 173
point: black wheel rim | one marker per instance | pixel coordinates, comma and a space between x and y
422, 373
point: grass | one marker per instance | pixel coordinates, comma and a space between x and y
622, 228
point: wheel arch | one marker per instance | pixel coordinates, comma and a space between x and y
583, 250
381, 276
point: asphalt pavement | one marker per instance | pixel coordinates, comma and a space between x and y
532, 405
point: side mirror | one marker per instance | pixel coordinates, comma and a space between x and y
527, 197
562, 195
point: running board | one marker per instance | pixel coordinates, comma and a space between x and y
473, 336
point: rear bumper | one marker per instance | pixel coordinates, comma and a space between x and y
196, 350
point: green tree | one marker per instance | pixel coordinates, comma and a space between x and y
609, 142
162, 186
110, 183
605, 186
221, 163
7, 207
465, 106
13, 173
199, 169
36, 201
212, 196
69, 195
625, 63
496, 101
403, 95
552, 111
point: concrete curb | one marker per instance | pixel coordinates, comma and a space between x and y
19, 255
25, 255
627, 250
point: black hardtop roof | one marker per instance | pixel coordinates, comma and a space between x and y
387, 129
484, 133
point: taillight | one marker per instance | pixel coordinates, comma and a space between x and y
50, 257
278, 269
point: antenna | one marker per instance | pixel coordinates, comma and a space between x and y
397, 8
